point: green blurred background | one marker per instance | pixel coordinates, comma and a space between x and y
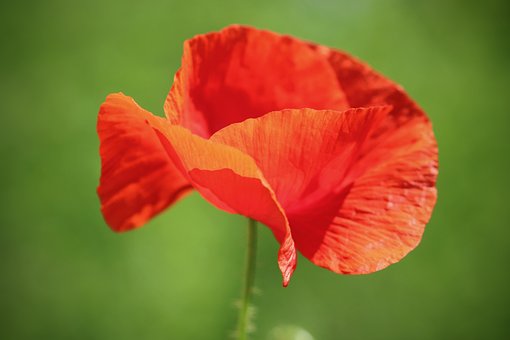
65, 275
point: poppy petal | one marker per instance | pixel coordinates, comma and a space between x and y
241, 72
380, 217
226, 177
230, 180
137, 179
303, 153
364, 87
355, 203
249, 197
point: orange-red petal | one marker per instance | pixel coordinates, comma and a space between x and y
241, 72
225, 176
304, 153
381, 216
138, 180
355, 202
364, 87
229, 179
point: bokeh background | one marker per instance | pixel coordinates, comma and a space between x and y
65, 275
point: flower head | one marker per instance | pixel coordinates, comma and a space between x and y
336, 159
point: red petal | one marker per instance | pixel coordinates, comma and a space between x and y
137, 178
355, 202
242, 72
250, 197
304, 154
364, 87
381, 217
230, 180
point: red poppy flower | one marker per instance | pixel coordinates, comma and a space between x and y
336, 159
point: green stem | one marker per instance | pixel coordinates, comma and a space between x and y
243, 326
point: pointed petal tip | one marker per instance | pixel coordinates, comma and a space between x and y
287, 260
286, 280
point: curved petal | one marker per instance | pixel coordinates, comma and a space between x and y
380, 217
226, 177
249, 197
137, 179
304, 153
355, 202
364, 87
231, 181
241, 72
